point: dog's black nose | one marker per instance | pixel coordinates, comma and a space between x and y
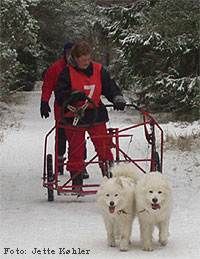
155, 200
112, 203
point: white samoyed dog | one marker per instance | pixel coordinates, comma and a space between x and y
154, 207
116, 199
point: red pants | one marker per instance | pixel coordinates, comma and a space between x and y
76, 140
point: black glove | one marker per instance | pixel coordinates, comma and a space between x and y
78, 96
44, 109
119, 103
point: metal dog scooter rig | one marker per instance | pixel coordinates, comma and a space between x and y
55, 183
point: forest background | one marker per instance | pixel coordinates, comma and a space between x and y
150, 47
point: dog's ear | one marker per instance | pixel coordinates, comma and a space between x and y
105, 179
119, 182
145, 178
165, 177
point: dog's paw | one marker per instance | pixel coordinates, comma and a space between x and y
123, 248
147, 248
124, 245
111, 242
163, 242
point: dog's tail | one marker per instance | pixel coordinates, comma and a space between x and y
127, 170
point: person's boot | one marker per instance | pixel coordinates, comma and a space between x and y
60, 167
107, 171
110, 166
85, 174
77, 181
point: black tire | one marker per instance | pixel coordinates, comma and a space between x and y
50, 176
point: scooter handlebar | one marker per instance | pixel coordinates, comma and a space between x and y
127, 105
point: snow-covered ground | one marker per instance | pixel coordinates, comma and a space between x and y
32, 227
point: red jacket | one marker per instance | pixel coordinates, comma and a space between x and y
49, 84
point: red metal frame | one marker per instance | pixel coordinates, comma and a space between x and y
114, 134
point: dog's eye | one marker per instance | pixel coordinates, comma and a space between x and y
116, 195
107, 195
151, 191
159, 192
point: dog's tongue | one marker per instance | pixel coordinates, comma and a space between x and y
111, 209
155, 206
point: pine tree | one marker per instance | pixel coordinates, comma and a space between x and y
158, 50
18, 45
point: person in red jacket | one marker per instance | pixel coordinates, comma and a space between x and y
49, 83
80, 79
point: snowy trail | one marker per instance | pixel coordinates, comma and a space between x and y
31, 227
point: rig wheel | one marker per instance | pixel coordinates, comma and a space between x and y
50, 176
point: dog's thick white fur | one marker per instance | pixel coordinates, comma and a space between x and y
154, 207
116, 199
149, 196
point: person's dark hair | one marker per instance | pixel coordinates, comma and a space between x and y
68, 47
